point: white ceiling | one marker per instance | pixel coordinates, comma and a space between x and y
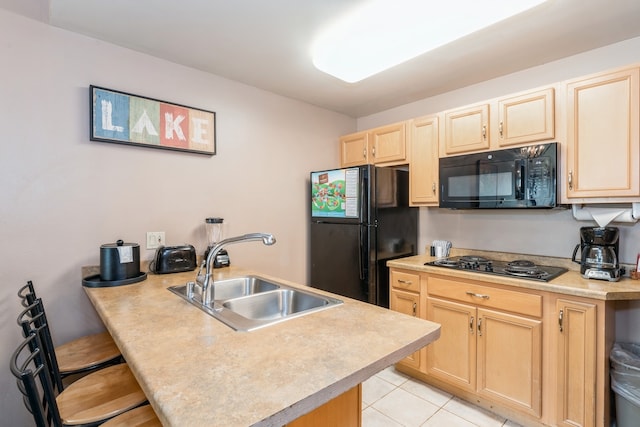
266, 43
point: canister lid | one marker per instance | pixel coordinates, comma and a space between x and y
214, 220
118, 244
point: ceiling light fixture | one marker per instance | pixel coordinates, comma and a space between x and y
383, 33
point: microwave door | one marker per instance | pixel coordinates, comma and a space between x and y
497, 184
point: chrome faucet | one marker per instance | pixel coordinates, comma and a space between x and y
206, 281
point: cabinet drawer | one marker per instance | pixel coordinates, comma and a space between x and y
406, 281
486, 296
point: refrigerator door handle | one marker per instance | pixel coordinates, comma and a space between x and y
361, 253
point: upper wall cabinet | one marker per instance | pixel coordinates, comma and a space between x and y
603, 143
423, 168
385, 145
526, 118
502, 122
466, 129
354, 149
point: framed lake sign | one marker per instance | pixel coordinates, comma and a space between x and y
123, 118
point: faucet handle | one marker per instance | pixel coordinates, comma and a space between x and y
190, 286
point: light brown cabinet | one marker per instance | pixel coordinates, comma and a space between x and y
423, 168
514, 120
405, 297
385, 145
603, 142
466, 129
576, 359
354, 149
526, 117
496, 354
537, 357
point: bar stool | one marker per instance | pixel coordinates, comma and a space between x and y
84, 354
29, 366
92, 399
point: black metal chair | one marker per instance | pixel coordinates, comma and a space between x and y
84, 354
29, 366
91, 400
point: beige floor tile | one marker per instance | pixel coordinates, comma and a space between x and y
405, 408
373, 389
474, 414
444, 418
394, 377
427, 392
373, 418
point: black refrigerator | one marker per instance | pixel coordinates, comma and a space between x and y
360, 219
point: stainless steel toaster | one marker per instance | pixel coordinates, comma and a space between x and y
174, 259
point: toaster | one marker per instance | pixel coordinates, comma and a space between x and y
174, 259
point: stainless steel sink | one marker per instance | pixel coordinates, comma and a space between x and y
250, 302
242, 286
275, 305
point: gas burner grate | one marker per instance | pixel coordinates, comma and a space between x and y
474, 259
520, 268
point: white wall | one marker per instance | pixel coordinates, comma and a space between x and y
550, 233
62, 196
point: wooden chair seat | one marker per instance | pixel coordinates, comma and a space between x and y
89, 401
94, 398
100, 395
86, 353
83, 354
143, 416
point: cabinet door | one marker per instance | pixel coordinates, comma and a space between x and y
603, 142
526, 118
423, 169
576, 360
407, 303
466, 129
389, 143
354, 149
510, 360
452, 357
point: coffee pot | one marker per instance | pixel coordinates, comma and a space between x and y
599, 248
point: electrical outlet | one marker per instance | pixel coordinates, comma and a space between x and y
155, 239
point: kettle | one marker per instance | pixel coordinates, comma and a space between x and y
599, 253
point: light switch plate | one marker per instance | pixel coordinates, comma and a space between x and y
155, 239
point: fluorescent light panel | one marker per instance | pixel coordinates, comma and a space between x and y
380, 34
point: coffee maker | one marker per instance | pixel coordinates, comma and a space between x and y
599, 251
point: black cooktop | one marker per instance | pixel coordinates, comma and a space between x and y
520, 268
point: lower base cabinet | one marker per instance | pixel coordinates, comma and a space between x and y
576, 363
344, 410
535, 357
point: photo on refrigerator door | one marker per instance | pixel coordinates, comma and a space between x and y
334, 193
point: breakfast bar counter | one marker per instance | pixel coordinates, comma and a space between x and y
195, 370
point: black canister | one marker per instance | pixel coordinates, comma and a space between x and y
119, 261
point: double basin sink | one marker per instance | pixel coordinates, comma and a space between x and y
251, 302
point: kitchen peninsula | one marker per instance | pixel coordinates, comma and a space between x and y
195, 370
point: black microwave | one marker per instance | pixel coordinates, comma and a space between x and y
523, 177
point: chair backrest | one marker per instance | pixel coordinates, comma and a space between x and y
33, 320
27, 294
29, 366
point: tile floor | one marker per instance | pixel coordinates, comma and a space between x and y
391, 399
